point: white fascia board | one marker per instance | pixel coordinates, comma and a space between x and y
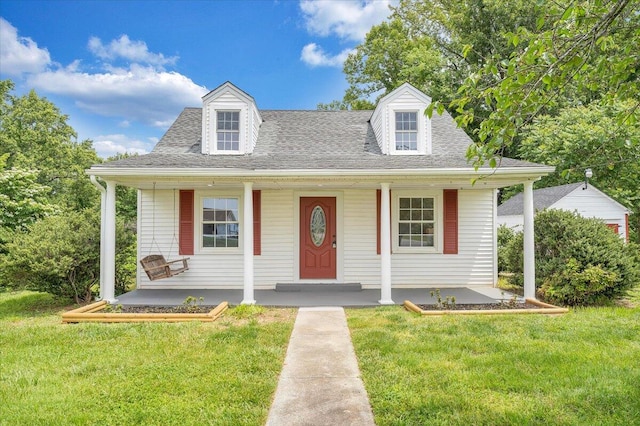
524, 173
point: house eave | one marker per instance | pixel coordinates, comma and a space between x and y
524, 172
442, 177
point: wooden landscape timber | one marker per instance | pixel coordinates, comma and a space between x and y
545, 308
91, 313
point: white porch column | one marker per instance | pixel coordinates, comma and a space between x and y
247, 244
385, 246
103, 216
109, 261
528, 246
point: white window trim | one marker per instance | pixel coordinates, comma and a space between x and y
242, 126
394, 140
199, 222
422, 134
438, 220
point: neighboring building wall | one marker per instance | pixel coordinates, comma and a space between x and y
360, 262
514, 222
592, 203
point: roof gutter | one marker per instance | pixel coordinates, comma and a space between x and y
208, 172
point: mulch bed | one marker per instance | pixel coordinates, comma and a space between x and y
127, 309
480, 307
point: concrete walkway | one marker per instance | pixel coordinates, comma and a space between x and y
320, 382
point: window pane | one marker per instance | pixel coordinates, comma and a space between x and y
405, 203
416, 215
403, 228
427, 214
405, 215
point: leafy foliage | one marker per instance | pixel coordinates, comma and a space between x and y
49, 226
579, 51
61, 255
589, 136
434, 46
579, 261
35, 136
505, 236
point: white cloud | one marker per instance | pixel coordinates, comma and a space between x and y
314, 56
347, 19
137, 94
20, 55
124, 48
110, 145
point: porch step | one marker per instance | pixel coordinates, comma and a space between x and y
295, 287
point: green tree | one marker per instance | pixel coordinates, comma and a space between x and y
590, 136
579, 52
423, 44
35, 136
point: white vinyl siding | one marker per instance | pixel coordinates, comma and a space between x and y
473, 265
275, 263
360, 261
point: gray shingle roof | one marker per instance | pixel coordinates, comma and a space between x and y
542, 198
300, 140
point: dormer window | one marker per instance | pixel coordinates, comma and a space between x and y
406, 131
228, 131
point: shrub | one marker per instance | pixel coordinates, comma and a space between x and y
505, 236
579, 261
61, 255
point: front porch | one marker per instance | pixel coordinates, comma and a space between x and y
323, 297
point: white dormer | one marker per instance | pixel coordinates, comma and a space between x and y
230, 121
399, 122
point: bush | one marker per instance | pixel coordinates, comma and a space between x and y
579, 261
61, 255
505, 236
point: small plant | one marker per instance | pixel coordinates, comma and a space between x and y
511, 302
116, 309
192, 303
448, 302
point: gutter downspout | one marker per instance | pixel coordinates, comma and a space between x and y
103, 213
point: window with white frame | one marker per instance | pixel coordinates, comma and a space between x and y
220, 222
228, 130
406, 131
416, 222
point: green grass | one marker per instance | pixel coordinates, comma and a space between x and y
581, 368
122, 374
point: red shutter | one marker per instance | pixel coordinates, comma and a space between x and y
185, 240
257, 234
450, 213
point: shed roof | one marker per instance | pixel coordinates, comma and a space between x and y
542, 198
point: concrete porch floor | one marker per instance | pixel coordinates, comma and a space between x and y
363, 298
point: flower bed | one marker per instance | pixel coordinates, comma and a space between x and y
92, 313
530, 306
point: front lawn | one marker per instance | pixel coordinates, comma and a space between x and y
224, 372
575, 369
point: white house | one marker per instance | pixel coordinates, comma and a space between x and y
258, 197
587, 201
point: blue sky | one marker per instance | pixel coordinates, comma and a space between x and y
123, 70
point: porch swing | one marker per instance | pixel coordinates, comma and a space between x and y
155, 265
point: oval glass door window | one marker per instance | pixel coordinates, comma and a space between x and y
318, 226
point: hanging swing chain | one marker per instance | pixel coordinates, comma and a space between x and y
174, 239
153, 222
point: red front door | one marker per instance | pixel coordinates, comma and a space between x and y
317, 237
